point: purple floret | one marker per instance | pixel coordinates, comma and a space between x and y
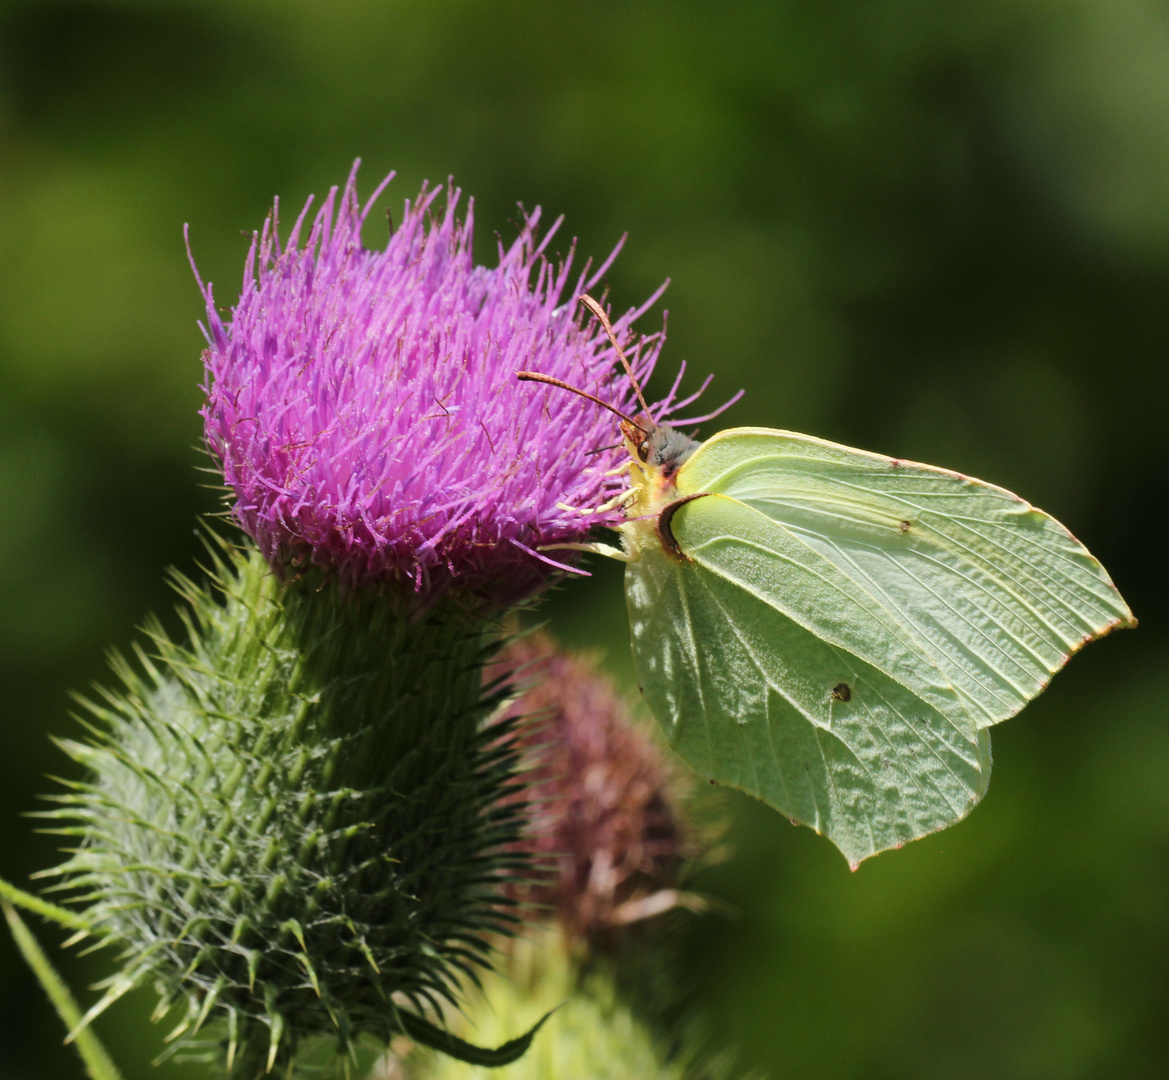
364, 408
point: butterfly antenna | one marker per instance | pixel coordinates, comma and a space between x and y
535, 376
599, 312
588, 453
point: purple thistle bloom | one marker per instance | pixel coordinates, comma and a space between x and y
364, 408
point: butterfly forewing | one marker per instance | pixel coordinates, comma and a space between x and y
997, 593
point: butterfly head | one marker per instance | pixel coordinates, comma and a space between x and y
657, 446
656, 453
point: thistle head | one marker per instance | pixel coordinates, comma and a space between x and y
364, 409
607, 836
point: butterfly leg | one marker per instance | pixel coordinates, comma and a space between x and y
615, 502
608, 550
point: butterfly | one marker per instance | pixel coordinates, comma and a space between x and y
834, 631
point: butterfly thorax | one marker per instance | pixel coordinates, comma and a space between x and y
657, 452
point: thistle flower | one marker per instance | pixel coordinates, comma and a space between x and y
602, 798
301, 816
364, 408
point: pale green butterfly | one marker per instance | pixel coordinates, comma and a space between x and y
833, 631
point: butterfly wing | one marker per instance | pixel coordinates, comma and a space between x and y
839, 629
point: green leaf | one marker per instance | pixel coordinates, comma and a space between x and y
832, 630
93, 1055
425, 1033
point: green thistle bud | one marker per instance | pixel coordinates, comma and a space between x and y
592, 1035
297, 820
598, 1031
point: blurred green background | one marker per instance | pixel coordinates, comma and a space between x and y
937, 230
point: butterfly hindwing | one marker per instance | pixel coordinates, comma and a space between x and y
752, 697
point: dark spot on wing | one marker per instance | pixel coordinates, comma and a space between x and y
904, 526
842, 692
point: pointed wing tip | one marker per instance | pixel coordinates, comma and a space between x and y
1125, 621
855, 858
1128, 621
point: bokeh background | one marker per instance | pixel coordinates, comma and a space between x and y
936, 230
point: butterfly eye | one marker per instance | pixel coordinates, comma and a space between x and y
643, 449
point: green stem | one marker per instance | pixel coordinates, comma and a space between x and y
93, 1055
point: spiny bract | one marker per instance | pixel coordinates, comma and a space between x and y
297, 815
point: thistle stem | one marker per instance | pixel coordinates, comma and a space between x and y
93, 1055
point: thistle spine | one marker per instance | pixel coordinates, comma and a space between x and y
299, 819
